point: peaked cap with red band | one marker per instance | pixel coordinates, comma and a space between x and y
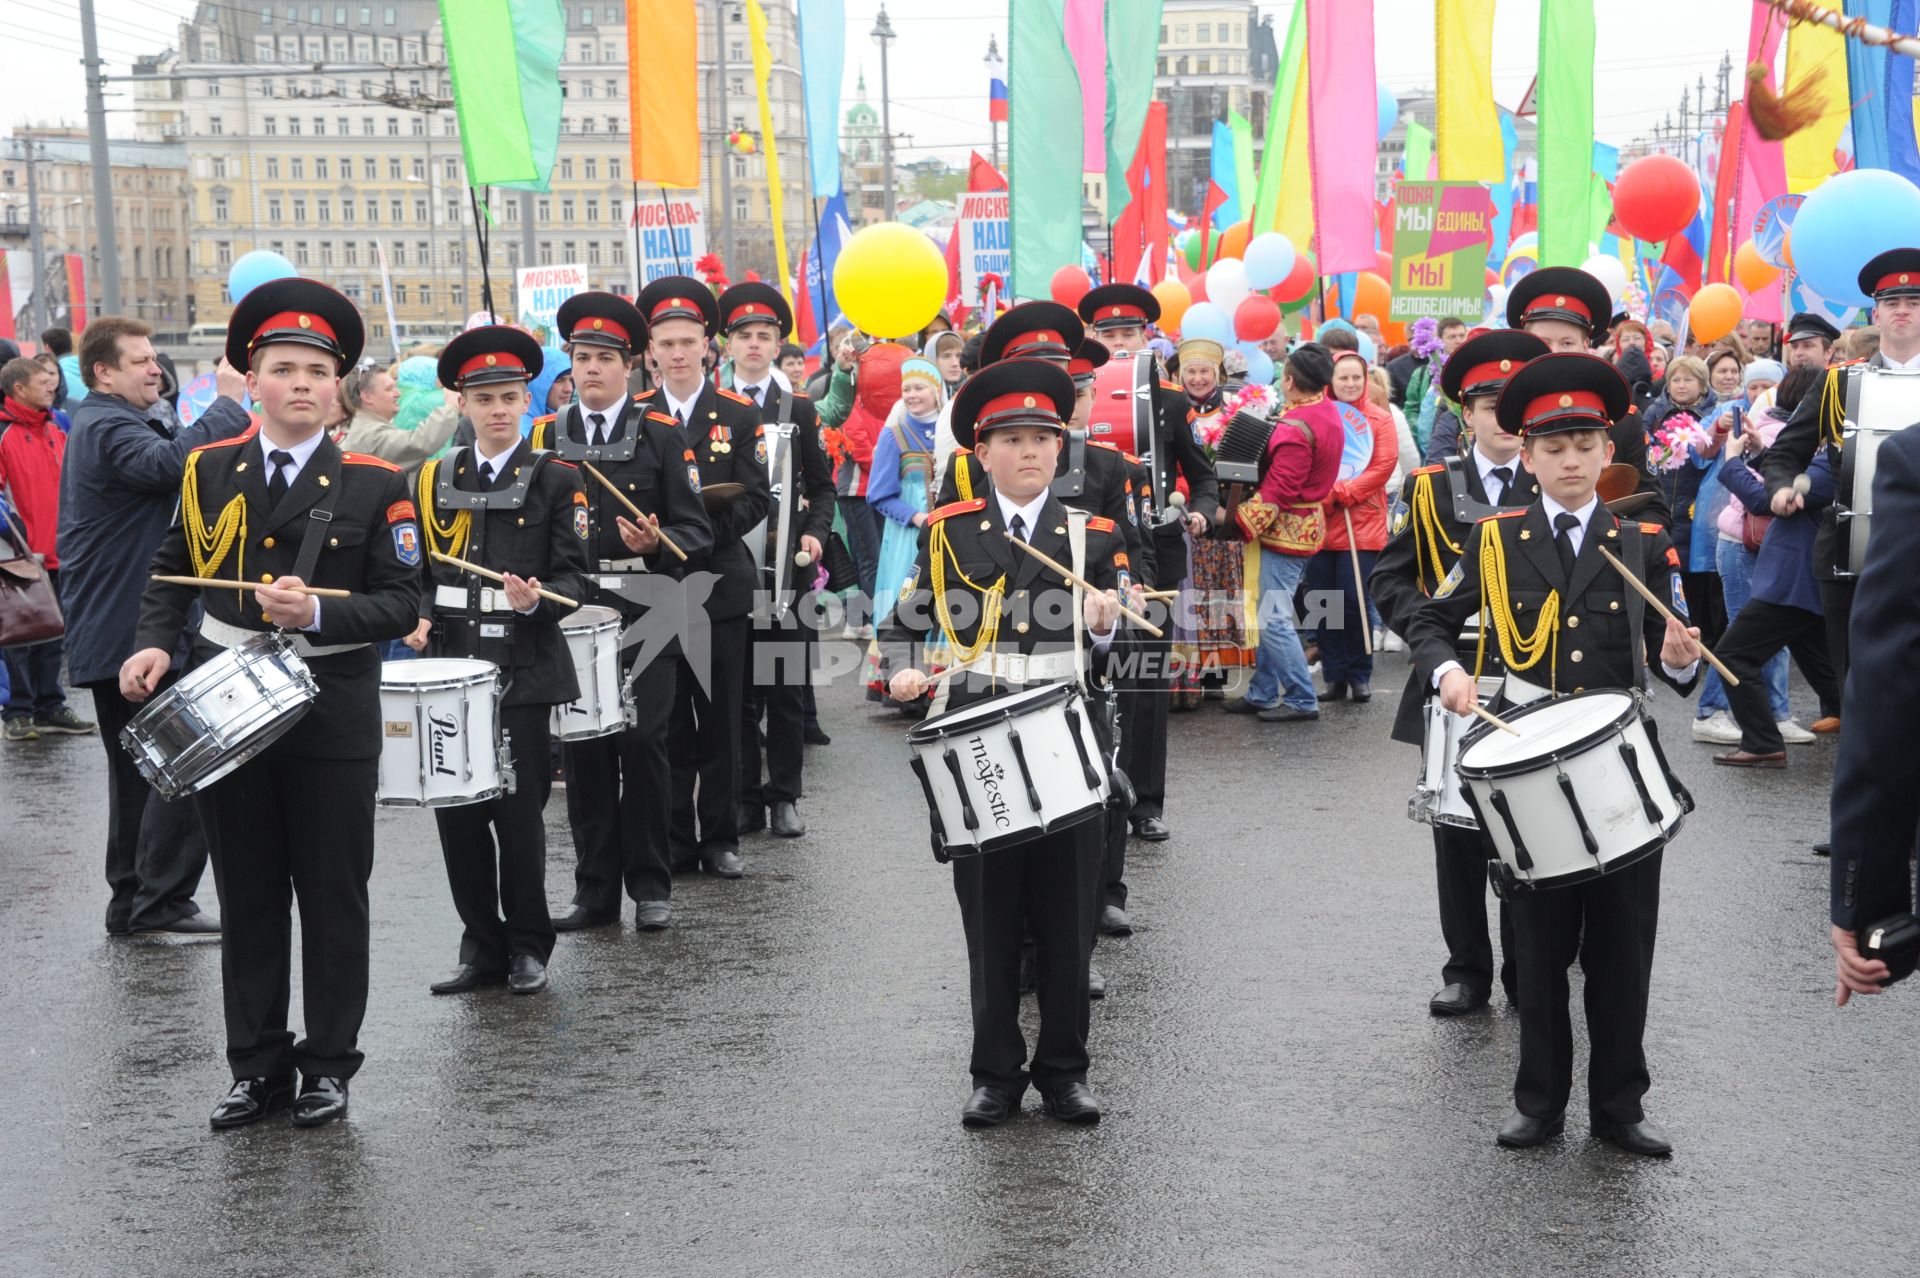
1093, 353
1013, 392
1033, 330
1564, 293
489, 354
1568, 390
755, 302
601, 319
1481, 365
674, 297
1119, 306
1894, 273
296, 310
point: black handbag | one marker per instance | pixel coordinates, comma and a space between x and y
29, 612
842, 573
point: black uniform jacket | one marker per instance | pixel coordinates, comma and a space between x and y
1596, 645
371, 547
730, 447
1807, 431
1098, 471
1432, 519
1037, 615
534, 525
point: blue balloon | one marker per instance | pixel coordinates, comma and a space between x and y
1209, 321
250, 270
1336, 322
1259, 367
1367, 348
1389, 114
1846, 220
1269, 258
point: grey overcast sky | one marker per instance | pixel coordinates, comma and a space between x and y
1648, 50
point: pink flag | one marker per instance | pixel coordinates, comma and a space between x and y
1087, 42
1763, 165
1342, 111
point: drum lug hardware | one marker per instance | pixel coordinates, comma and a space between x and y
1506, 884
933, 809
1579, 817
1631, 757
951, 758
1026, 776
1499, 800
1080, 748
504, 753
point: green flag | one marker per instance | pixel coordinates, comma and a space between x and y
1044, 145
1565, 99
1293, 65
1133, 45
504, 56
1419, 152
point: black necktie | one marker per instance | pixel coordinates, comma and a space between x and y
755, 392
1564, 524
486, 474
598, 435
282, 462
680, 418
1018, 527
1505, 475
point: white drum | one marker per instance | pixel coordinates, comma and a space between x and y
1880, 402
219, 715
1437, 797
440, 740
1583, 790
1010, 769
593, 641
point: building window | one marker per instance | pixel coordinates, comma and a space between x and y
366, 126
1203, 32
373, 211
419, 126
586, 88
620, 256
566, 169
399, 294
293, 126
352, 252
426, 295
393, 16
219, 169
545, 210
346, 211
223, 253
586, 124
343, 126
214, 126
219, 208
546, 253
370, 168
566, 211
593, 168
300, 253
393, 126
397, 208
450, 169
453, 255
613, 168
422, 252
419, 169
593, 211
273, 167
399, 256
420, 209
453, 210
322, 209
299, 210
297, 168
319, 126
614, 208
593, 253
740, 208
613, 124
273, 208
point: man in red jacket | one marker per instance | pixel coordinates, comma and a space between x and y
31, 449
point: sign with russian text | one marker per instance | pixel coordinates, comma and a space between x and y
986, 245
539, 290
1441, 233
670, 236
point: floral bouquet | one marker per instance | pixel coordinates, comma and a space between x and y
1424, 338
1671, 444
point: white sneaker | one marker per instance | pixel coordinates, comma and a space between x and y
1793, 734
1718, 728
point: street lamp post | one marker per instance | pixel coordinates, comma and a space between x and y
993, 61
38, 244
883, 36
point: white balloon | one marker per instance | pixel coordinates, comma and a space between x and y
1611, 272
1227, 285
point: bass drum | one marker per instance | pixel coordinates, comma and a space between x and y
1122, 413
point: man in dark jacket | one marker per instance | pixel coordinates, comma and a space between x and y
118, 489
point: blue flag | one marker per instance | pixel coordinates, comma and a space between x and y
823, 58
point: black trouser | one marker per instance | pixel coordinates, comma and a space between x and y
1760, 630
1144, 699
1836, 601
706, 734
156, 850
617, 796
1047, 888
285, 828
777, 666
1460, 867
1608, 923
503, 899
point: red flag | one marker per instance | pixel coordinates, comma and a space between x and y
806, 329
76, 292
1721, 244
981, 176
6, 299
1216, 198
1140, 236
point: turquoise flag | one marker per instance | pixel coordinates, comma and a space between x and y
504, 56
1044, 144
1133, 46
1225, 175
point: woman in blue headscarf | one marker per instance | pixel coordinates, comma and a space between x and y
902, 464
542, 399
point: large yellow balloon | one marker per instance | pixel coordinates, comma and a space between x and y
890, 280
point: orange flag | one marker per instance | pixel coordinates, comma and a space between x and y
662, 85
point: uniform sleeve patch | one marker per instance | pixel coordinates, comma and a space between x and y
1673, 557
1400, 514
406, 543
693, 473
1680, 598
760, 447
401, 510
580, 516
1451, 582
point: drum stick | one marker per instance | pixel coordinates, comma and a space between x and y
638, 514
1075, 579
1159, 594
1666, 612
950, 672
1359, 587
323, 592
801, 559
1495, 719
491, 575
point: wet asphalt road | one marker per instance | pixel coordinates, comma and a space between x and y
773, 1086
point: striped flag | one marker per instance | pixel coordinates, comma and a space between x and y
505, 59
997, 90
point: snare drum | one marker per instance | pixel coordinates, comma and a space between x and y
1582, 791
440, 742
1437, 798
593, 641
1010, 769
1880, 403
219, 715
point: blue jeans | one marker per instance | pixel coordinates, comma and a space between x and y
1280, 670
1736, 585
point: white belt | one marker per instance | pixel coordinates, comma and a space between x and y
222, 634
454, 599
1018, 667
617, 568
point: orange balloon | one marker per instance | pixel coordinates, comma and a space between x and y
1751, 270
1371, 296
1233, 240
1786, 246
1715, 311
1174, 300
1392, 332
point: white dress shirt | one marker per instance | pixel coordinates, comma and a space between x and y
1891, 362
609, 415
681, 408
302, 453
1487, 466
1030, 523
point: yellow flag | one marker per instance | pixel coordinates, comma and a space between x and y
776, 197
1468, 127
1293, 215
1813, 48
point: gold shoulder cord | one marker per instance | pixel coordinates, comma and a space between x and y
1833, 408
940, 552
1519, 653
962, 478
1427, 536
449, 538
208, 544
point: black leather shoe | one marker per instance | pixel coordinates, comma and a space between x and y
786, 821
750, 818
1096, 983
987, 1107
1523, 1131
1151, 830
1071, 1103
321, 1100
468, 977
1456, 1000
580, 918
727, 865
1114, 922
528, 975
195, 924
652, 916
1642, 1138
1243, 706
1360, 690
1284, 713
1335, 692
250, 1100
1823, 849
816, 735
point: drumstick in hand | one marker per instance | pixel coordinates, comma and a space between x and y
491, 575
322, 592
1666, 612
1495, 719
1075, 579
638, 513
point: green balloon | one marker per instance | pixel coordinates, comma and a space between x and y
1190, 248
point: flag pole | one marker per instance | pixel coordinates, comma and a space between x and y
639, 258
486, 270
666, 210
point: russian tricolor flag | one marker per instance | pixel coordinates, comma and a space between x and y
1686, 253
997, 90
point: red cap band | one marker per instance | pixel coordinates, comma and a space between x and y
1899, 279
1080, 367
306, 321
492, 361
1015, 404
601, 324
752, 311
1120, 313
1497, 370
1039, 337
683, 304
1542, 408
1558, 302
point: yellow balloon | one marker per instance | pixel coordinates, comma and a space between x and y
890, 280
